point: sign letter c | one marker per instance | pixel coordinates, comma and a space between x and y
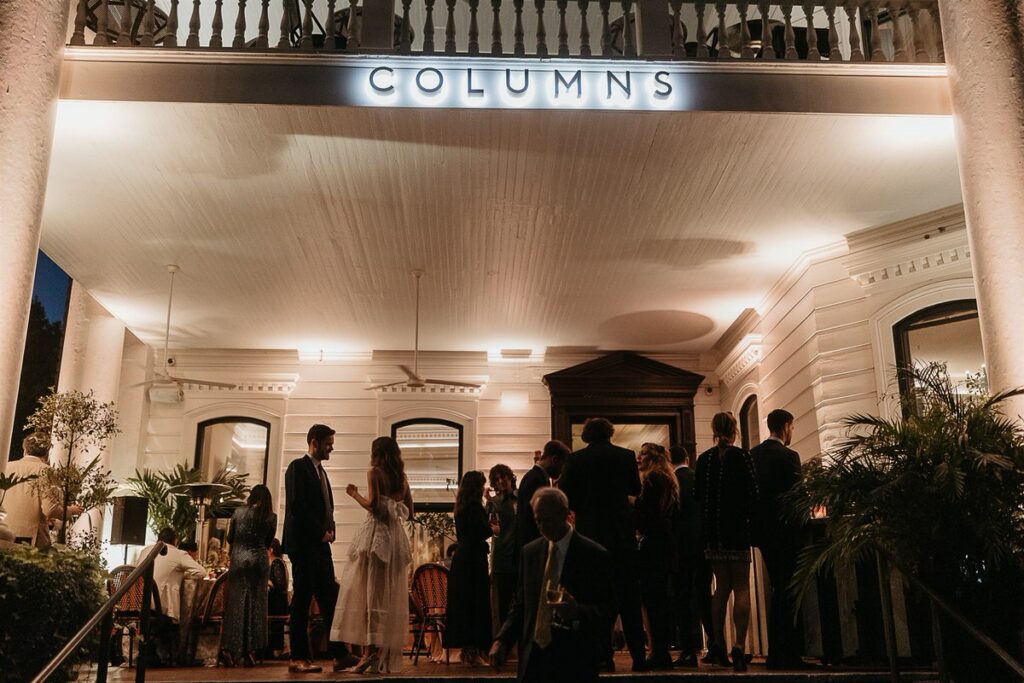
381, 88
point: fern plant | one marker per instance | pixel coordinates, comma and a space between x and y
178, 512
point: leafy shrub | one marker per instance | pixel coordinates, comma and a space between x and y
45, 598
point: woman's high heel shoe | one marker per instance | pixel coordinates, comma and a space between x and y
369, 664
224, 658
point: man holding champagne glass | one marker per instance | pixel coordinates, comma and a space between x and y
564, 599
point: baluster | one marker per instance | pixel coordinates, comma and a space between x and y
702, 34
404, 33
518, 35
124, 38
102, 24
746, 51
563, 30
474, 28
449, 29
876, 40
899, 44
813, 55
428, 29
217, 25
331, 26
352, 41
834, 53
263, 39
767, 48
584, 29
286, 26
306, 42
851, 14
171, 30
723, 47
920, 48
606, 32
148, 25
239, 40
193, 26
628, 27
496, 49
940, 49
542, 34
78, 37
678, 48
787, 16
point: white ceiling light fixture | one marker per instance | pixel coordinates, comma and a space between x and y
165, 388
413, 379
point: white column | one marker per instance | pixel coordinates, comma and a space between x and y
986, 63
93, 348
31, 45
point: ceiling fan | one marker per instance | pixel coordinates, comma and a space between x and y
413, 379
164, 387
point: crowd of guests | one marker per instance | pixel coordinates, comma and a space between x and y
588, 540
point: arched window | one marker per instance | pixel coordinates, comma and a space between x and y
947, 333
238, 444
750, 428
432, 451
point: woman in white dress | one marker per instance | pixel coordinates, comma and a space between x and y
373, 609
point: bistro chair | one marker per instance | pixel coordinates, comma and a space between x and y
128, 610
429, 601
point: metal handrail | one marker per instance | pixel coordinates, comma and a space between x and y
937, 601
105, 614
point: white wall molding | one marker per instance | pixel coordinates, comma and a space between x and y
800, 266
745, 355
930, 245
281, 387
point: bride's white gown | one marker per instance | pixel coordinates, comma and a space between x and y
373, 608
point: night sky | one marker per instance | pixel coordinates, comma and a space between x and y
51, 287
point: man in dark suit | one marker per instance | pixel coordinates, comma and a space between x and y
599, 481
562, 602
778, 470
690, 599
548, 466
307, 538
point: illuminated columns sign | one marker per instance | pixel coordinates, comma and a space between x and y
515, 84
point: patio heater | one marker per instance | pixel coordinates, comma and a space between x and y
202, 494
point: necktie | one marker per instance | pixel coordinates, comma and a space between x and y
328, 509
542, 629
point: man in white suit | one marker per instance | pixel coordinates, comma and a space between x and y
170, 570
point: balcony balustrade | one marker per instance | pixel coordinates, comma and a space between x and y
702, 30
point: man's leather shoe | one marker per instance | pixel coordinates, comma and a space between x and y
658, 664
686, 662
306, 667
346, 662
641, 665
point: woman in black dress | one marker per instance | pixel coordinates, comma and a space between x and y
726, 491
245, 604
656, 510
469, 604
501, 506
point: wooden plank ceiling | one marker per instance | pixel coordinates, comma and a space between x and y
296, 227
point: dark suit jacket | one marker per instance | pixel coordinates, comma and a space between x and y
526, 525
778, 470
598, 480
305, 515
586, 574
688, 539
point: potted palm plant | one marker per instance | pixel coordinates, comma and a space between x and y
938, 492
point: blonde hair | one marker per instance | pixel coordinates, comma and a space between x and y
657, 465
725, 428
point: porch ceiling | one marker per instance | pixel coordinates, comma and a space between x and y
296, 227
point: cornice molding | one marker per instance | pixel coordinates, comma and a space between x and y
744, 356
430, 390
797, 270
907, 250
266, 387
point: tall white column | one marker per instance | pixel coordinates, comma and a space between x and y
93, 349
32, 37
986, 72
